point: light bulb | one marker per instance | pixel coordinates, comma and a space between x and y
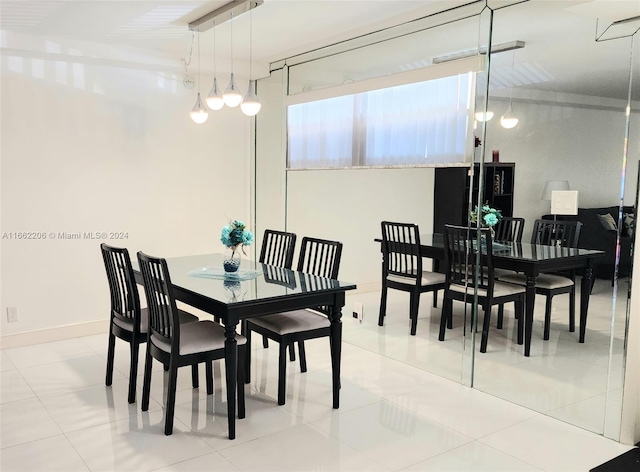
214, 99
232, 96
199, 113
480, 116
509, 119
250, 104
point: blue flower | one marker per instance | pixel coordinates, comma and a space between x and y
234, 234
490, 219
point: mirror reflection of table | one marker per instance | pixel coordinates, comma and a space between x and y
531, 260
271, 291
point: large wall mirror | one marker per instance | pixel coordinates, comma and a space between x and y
569, 94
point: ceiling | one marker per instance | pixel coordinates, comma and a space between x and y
154, 33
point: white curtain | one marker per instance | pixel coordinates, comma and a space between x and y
420, 123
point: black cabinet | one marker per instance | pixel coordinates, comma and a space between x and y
453, 185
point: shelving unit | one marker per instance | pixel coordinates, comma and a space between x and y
452, 187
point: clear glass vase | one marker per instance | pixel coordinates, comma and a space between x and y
232, 260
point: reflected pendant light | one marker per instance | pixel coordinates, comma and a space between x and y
214, 99
199, 113
232, 96
480, 115
250, 104
509, 119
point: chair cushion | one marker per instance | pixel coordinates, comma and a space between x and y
295, 321
544, 281
144, 320
428, 278
499, 289
197, 337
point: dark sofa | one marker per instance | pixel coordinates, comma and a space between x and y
594, 235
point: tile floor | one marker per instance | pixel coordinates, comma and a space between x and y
398, 411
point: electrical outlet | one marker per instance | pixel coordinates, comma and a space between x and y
12, 314
358, 311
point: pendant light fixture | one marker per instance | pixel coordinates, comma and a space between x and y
509, 119
250, 104
214, 99
232, 96
199, 113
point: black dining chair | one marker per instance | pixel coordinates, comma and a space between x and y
128, 321
178, 345
277, 250
463, 273
556, 234
402, 269
320, 260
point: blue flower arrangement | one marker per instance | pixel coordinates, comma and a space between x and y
489, 217
235, 235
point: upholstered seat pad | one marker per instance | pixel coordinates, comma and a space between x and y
545, 281
292, 321
428, 278
197, 337
144, 320
499, 289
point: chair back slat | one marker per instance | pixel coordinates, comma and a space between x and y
509, 229
163, 312
125, 301
401, 249
556, 233
461, 249
319, 258
277, 248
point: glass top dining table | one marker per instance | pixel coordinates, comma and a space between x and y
531, 260
256, 290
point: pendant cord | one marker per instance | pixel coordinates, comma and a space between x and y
198, 61
214, 51
513, 59
231, 43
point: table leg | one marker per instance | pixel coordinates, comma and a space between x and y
528, 312
336, 349
231, 366
584, 300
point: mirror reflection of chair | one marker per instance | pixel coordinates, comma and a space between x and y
563, 234
402, 269
462, 273
279, 276
509, 229
179, 345
128, 322
320, 258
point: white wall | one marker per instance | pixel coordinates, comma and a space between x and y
92, 148
348, 206
562, 141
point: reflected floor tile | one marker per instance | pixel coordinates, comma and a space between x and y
137, 443
300, 448
48, 353
13, 387
52, 454
213, 461
390, 435
544, 384
475, 457
207, 417
24, 421
5, 362
92, 406
464, 410
552, 445
67, 375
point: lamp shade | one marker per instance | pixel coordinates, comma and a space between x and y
199, 112
214, 99
250, 105
232, 96
553, 185
509, 119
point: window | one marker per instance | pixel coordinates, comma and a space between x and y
425, 122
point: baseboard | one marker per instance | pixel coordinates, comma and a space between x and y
59, 333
